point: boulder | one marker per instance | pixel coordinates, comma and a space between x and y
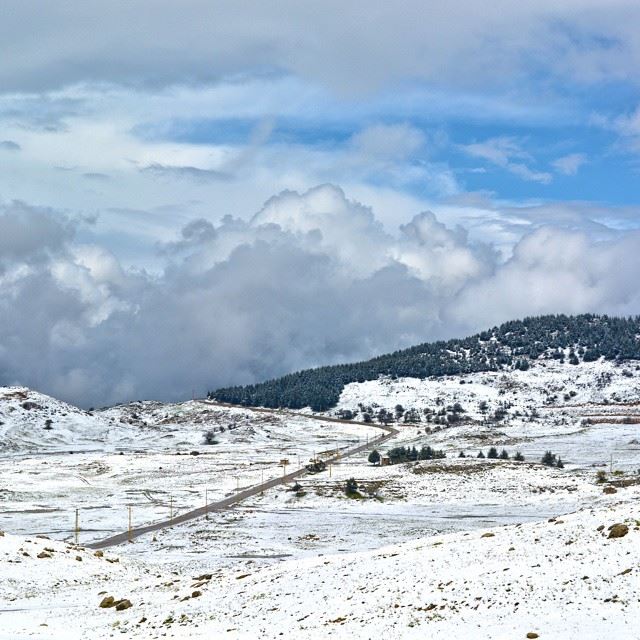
107, 602
618, 530
121, 605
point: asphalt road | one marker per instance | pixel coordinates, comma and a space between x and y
221, 505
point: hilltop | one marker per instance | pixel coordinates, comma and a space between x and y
513, 345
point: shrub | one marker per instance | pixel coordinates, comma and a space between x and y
493, 453
351, 487
519, 457
601, 476
549, 459
504, 455
210, 437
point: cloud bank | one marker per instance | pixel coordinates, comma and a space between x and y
312, 278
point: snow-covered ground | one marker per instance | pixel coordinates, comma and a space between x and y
406, 558
564, 578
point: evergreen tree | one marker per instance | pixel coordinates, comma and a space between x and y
519, 457
504, 455
493, 453
480, 454
374, 457
549, 459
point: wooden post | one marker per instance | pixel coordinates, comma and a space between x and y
77, 528
130, 533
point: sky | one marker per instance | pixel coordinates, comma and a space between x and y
207, 193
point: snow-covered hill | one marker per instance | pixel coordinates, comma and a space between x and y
546, 384
563, 578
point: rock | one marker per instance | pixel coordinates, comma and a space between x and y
618, 530
609, 490
600, 528
205, 576
196, 594
44, 554
1, 534
98, 554
487, 535
121, 605
532, 634
106, 602
79, 558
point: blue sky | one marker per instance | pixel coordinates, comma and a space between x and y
437, 154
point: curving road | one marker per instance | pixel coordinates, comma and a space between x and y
221, 505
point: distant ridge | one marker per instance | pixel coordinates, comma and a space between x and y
515, 344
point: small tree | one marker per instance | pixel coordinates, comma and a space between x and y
601, 476
374, 457
559, 463
504, 455
462, 455
480, 454
351, 487
48, 424
210, 437
519, 457
549, 459
493, 453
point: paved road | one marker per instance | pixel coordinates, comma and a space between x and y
120, 538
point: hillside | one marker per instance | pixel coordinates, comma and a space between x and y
513, 345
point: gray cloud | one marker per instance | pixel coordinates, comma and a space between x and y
9, 145
157, 42
311, 279
182, 172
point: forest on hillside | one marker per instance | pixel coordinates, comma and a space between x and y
515, 344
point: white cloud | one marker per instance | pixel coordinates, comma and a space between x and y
570, 164
506, 152
311, 279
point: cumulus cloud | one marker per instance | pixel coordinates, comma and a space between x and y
313, 278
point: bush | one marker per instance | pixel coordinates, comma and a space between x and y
210, 437
504, 455
601, 476
374, 457
559, 463
351, 487
493, 453
519, 457
549, 459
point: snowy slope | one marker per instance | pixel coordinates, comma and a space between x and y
563, 578
545, 384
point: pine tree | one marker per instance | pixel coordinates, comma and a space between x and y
519, 457
493, 453
504, 455
480, 454
374, 457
